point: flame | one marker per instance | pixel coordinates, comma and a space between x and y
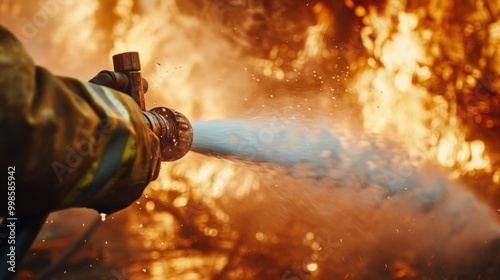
314, 45
396, 101
314, 48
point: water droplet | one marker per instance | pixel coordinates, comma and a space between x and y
158, 64
103, 216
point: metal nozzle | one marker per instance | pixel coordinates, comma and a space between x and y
174, 131
172, 128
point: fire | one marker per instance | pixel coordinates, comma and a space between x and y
400, 65
391, 85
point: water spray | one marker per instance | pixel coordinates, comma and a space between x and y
311, 150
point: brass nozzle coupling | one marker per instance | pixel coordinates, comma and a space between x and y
173, 130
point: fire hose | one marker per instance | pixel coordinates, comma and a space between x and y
173, 130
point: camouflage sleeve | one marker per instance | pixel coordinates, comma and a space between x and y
72, 143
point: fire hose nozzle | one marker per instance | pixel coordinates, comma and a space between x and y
173, 130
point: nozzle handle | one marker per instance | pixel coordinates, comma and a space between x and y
127, 61
129, 64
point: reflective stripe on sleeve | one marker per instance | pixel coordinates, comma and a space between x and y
120, 150
107, 101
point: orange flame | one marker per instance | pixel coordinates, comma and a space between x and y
391, 87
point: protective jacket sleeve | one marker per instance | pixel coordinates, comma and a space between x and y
70, 143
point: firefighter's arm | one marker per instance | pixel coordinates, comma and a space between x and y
72, 143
